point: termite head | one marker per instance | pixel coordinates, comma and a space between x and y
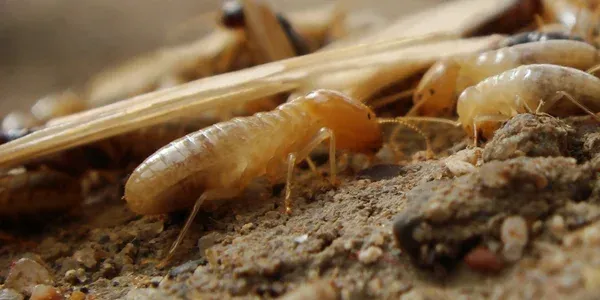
233, 14
470, 111
354, 124
435, 94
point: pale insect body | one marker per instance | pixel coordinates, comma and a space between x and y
482, 108
20, 193
219, 161
437, 92
226, 156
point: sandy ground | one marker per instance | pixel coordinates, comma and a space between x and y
514, 219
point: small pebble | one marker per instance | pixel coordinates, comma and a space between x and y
207, 241
77, 295
591, 278
376, 239
86, 256
569, 281
554, 263
375, 286
139, 294
149, 231
70, 277
591, 236
155, 281
436, 212
108, 270
25, 274
370, 255
482, 259
75, 276
10, 294
572, 240
459, 168
45, 292
301, 239
514, 236
187, 267
557, 226
246, 228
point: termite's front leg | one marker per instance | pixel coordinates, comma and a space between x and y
322, 135
484, 119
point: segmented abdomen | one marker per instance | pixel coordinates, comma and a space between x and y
34, 192
567, 53
224, 156
516, 90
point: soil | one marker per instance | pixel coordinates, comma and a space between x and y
514, 219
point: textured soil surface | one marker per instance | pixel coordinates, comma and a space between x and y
514, 219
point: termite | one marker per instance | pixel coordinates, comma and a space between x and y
18, 121
528, 88
219, 161
437, 92
52, 106
115, 156
28, 192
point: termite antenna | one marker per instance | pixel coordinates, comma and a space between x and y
404, 121
425, 119
383, 101
408, 125
593, 69
183, 231
561, 94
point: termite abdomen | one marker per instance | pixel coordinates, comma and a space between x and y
36, 192
536, 36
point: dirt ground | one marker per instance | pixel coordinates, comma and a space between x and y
516, 218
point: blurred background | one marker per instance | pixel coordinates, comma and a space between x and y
49, 45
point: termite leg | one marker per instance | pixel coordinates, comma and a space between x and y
288, 182
560, 94
207, 195
312, 166
322, 135
396, 131
485, 118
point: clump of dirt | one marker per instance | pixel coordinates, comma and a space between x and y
529, 135
446, 219
516, 219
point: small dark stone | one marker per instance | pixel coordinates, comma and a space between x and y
381, 172
187, 267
